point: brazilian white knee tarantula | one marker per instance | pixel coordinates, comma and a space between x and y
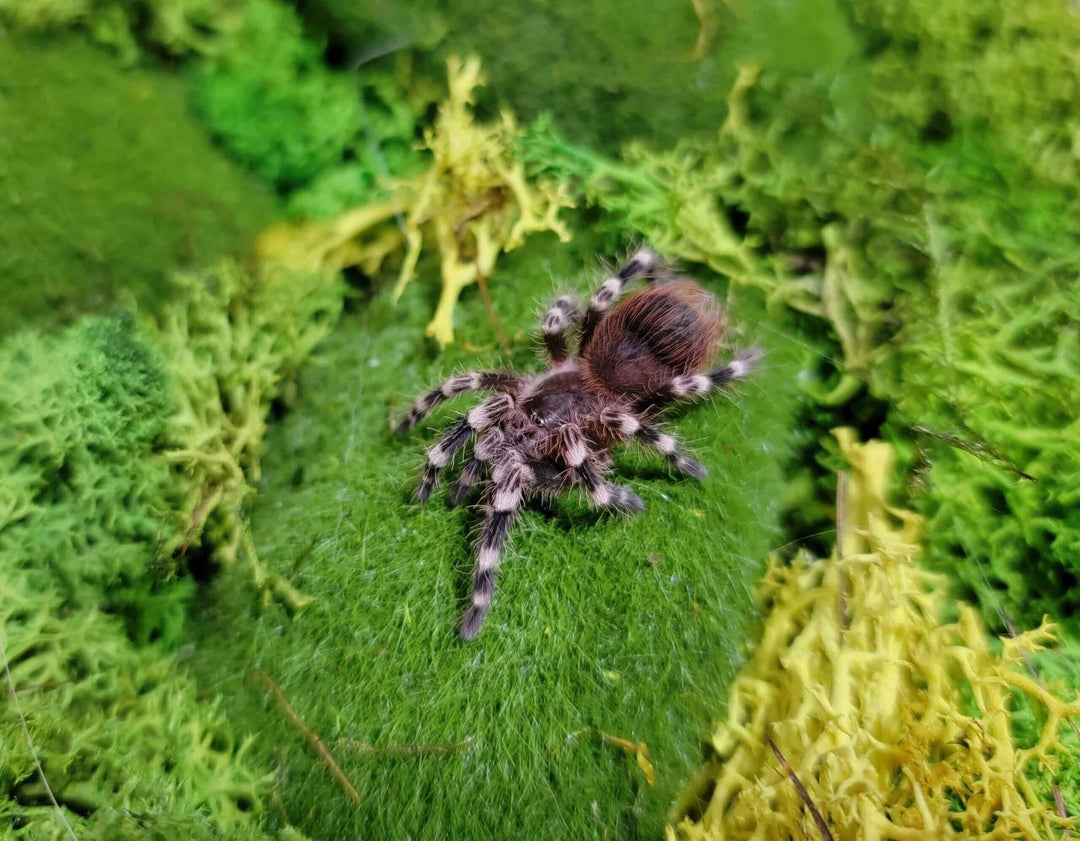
545, 433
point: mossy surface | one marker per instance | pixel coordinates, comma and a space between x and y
106, 183
600, 625
129, 749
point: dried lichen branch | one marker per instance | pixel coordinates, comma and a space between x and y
473, 203
904, 731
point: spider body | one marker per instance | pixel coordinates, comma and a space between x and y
549, 432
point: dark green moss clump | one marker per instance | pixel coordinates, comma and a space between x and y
107, 184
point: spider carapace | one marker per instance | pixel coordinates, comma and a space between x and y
549, 432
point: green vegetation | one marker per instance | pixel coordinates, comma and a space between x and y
130, 27
126, 456
610, 70
85, 500
891, 199
600, 625
275, 106
107, 184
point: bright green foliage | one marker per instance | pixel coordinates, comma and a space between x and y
81, 413
123, 452
175, 27
386, 146
234, 342
274, 105
86, 500
943, 256
272, 102
106, 184
626, 626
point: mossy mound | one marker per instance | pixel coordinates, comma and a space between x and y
602, 628
128, 748
106, 183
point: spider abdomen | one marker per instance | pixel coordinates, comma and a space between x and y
662, 331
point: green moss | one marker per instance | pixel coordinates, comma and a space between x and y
173, 27
609, 71
85, 501
107, 184
272, 102
625, 626
275, 106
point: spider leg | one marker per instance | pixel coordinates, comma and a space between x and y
508, 481
642, 263
478, 419
605, 495
555, 324
470, 475
698, 385
625, 426
440, 454
462, 383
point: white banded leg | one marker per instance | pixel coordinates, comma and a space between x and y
557, 321
470, 475
642, 263
625, 425
605, 495
669, 447
439, 456
479, 419
460, 384
699, 385
508, 482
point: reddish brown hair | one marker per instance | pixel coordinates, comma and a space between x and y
662, 331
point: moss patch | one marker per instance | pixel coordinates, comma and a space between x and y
626, 627
106, 183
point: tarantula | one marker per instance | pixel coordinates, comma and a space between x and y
546, 433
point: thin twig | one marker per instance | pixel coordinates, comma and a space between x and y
799, 787
1060, 801
30, 741
436, 748
310, 735
485, 296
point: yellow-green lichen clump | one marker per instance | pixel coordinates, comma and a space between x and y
895, 719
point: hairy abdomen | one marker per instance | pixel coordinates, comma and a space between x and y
658, 333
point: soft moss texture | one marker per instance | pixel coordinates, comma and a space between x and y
882, 695
126, 743
128, 27
472, 204
127, 453
600, 624
275, 106
106, 183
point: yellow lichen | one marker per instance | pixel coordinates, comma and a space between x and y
895, 721
473, 203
